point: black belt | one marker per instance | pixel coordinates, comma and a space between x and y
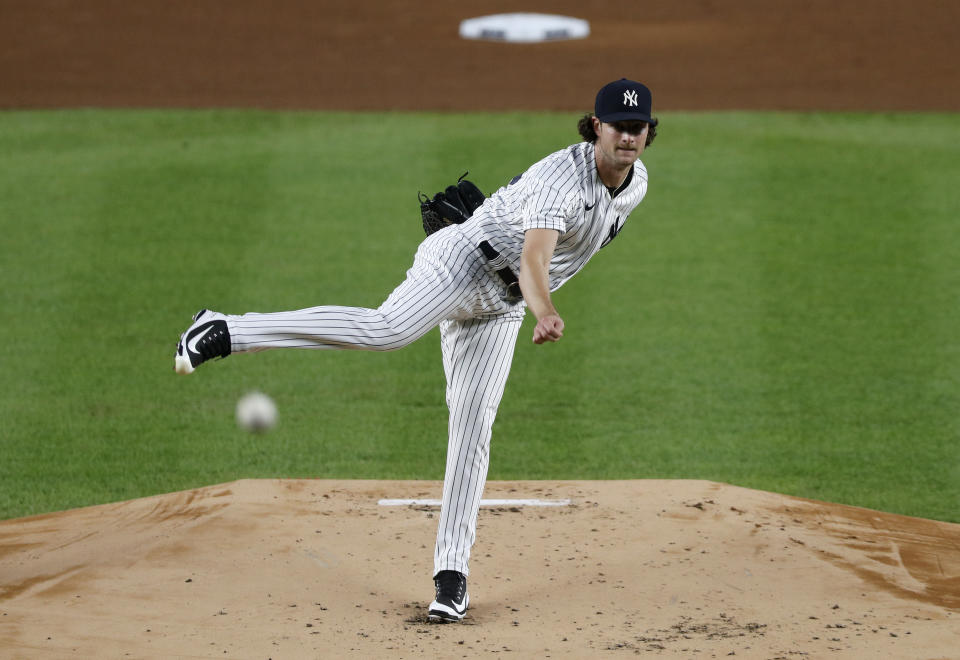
502, 269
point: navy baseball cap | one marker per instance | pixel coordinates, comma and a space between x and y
624, 100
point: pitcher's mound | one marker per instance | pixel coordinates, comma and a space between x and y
289, 569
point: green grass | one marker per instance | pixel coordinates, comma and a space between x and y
782, 312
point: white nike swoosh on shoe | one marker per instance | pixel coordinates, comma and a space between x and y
441, 613
457, 610
192, 344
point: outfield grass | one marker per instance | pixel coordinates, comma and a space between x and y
782, 312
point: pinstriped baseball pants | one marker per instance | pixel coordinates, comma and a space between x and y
451, 285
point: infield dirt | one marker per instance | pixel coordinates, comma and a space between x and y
291, 569
406, 54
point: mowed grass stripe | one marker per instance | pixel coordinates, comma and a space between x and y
780, 313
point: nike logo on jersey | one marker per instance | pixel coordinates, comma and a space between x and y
587, 207
193, 341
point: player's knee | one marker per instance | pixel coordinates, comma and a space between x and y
392, 336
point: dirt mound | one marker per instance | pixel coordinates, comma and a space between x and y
259, 569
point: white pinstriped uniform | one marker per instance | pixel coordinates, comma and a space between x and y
451, 285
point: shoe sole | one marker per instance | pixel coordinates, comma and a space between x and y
442, 614
182, 365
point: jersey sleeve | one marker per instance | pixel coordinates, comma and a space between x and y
551, 196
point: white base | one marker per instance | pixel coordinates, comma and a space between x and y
524, 28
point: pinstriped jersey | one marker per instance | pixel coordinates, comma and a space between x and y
562, 192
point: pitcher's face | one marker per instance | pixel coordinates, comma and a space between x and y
620, 143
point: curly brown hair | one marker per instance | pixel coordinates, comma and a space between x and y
585, 128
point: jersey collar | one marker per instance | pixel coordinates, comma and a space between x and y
623, 186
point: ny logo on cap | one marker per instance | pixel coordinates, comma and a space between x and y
630, 97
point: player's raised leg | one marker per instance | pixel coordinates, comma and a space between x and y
442, 283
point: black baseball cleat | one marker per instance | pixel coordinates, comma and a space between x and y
206, 339
452, 598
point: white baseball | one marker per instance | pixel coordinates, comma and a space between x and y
256, 412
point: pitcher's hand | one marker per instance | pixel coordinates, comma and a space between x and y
549, 328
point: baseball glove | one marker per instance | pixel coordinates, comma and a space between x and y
451, 206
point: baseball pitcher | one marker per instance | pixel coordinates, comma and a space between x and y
483, 264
